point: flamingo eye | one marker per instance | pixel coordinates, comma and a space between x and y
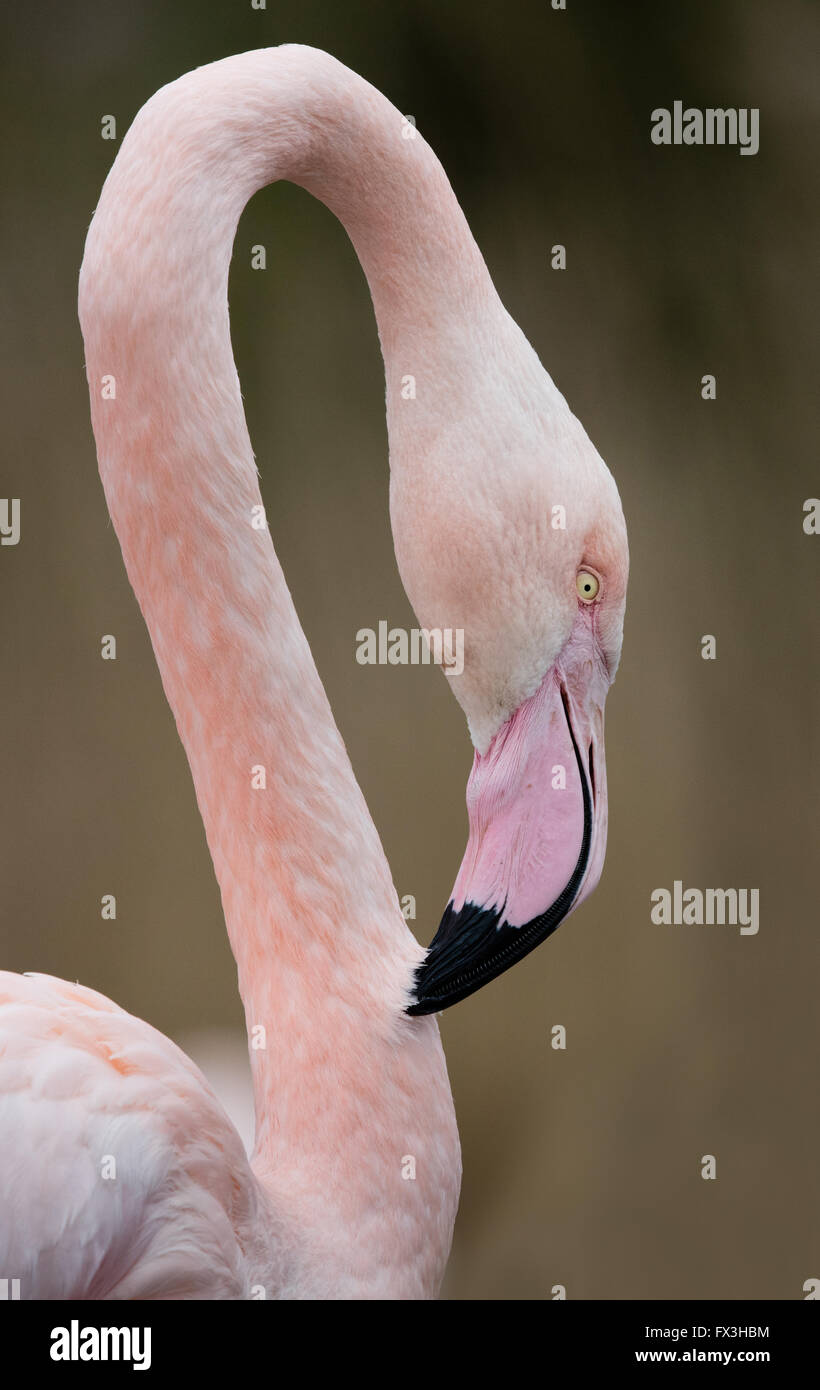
587, 586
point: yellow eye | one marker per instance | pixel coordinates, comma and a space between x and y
587, 586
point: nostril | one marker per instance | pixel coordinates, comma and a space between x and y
592, 772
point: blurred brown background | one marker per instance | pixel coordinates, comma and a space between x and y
582, 1167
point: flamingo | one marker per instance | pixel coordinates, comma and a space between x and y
122, 1177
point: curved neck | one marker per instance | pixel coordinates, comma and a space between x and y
322, 951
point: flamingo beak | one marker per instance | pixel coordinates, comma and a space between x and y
538, 815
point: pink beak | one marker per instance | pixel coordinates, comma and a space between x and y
538, 816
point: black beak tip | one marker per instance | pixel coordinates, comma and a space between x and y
420, 1007
466, 952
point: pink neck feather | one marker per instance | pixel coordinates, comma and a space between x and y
324, 957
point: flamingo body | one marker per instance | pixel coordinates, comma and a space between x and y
180, 1214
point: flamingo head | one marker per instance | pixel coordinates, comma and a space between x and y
512, 533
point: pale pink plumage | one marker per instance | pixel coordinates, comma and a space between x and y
347, 1088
